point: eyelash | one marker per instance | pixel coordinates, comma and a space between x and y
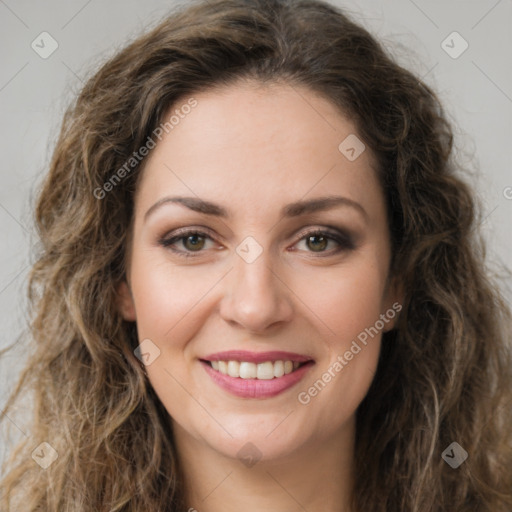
344, 241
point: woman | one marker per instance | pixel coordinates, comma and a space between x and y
260, 284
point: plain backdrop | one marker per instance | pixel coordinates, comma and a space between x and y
475, 86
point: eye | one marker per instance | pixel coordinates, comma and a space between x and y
317, 241
193, 241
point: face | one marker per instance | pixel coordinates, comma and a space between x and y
257, 274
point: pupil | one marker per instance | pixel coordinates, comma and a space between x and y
194, 242
323, 244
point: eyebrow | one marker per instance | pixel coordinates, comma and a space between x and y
290, 210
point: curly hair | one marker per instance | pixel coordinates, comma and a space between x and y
444, 373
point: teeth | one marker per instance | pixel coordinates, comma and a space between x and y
233, 368
278, 369
263, 371
248, 370
223, 367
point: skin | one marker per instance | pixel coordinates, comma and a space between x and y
254, 149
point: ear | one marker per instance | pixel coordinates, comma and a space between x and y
393, 302
125, 303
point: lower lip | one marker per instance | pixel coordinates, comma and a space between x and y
255, 388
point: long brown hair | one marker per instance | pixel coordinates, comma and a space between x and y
444, 373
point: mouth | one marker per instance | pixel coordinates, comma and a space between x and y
256, 375
262, 371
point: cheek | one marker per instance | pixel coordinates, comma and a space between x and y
348, 303
166, 297
168, 302
347, 300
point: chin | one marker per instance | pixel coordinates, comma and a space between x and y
265, 439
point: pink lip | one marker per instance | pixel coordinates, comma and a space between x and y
254, 388
256, 357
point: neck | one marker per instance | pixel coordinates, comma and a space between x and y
315, 477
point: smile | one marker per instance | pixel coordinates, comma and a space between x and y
256, 375
262, 371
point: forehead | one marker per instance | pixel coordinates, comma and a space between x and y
251, 143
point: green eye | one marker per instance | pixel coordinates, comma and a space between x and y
193, 242
317, 243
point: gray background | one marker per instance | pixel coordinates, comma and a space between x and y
476, 89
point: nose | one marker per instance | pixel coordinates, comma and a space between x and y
256, 297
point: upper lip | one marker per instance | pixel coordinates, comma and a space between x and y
257, 357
